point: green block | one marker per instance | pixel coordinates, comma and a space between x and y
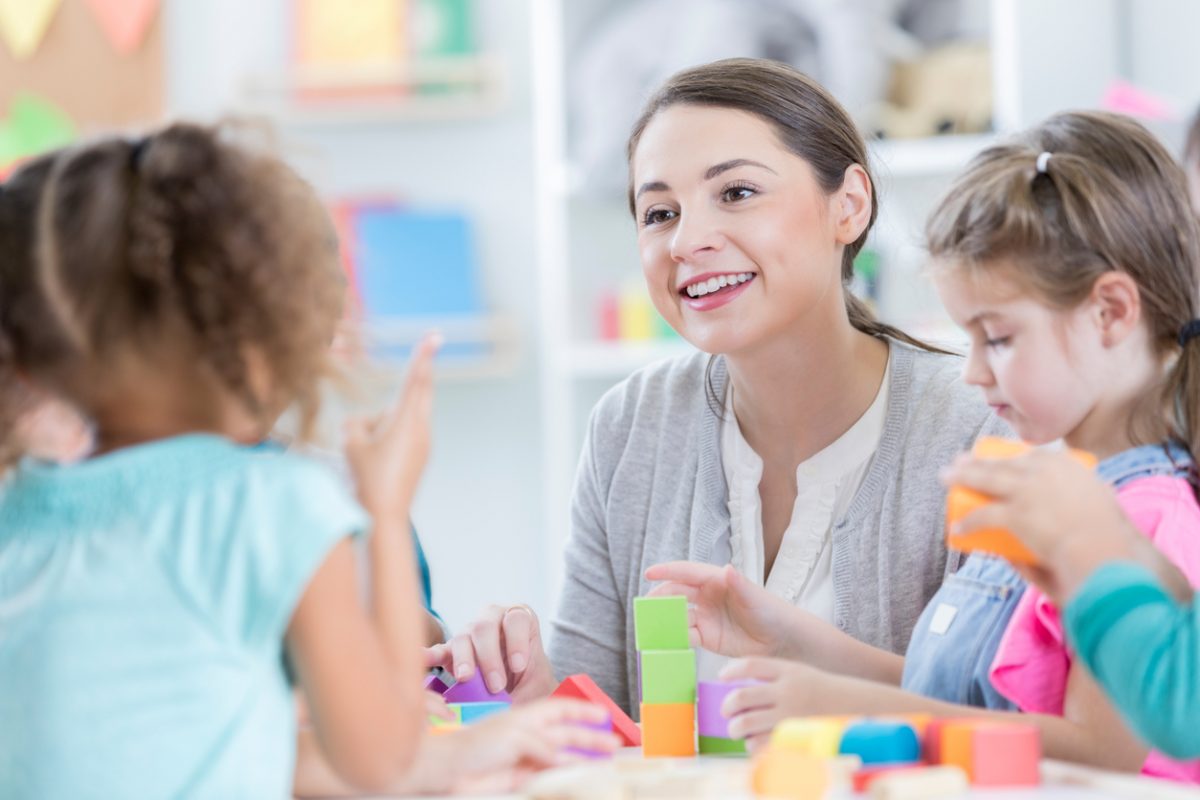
438, 722
716, 746
661, 623
668, 676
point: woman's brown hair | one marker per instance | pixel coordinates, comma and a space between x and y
1082, 194
120, 243
808, 121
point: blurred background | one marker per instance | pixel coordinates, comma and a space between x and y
471, 152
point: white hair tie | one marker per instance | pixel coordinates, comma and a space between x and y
1042, 162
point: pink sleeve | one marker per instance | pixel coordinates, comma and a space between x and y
1032, 662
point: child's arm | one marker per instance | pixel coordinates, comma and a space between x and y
1089, 733
360, 669
494, 755
734, 617
1144, 649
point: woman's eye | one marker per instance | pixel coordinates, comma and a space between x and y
735, 193
656, 216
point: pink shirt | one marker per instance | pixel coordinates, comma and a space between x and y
1032, 663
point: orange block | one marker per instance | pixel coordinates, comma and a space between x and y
582, 687
779, 773
961, 501
668, 729
993, 753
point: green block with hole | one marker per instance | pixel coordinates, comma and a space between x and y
715, 746
668, 676
661, 623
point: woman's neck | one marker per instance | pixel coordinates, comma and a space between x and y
798, 394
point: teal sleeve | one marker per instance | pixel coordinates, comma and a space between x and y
423, 569
1144, 649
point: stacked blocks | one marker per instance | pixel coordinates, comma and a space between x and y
582, 687
961, 501
470, 701
712, 724
668, 678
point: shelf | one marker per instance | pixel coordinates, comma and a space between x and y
618, 359
460, 88
474, 348
934, 156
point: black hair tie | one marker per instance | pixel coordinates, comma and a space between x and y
1189, 332
137, 148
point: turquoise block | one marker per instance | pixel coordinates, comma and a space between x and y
661, 623
881, 742
473, 712
668, 676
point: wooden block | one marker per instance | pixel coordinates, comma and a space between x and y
780, 773
582, 687
961, 501
920, 783
668, 729
881, 742
668, 676
810, 736
661, 623
716, 746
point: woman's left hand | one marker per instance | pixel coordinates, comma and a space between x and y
787, 689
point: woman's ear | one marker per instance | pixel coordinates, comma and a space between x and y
853, 210
1118, 306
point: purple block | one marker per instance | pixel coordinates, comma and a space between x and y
709, 697
435, 684
604, 725
474, 691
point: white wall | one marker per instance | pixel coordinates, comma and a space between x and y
479, 508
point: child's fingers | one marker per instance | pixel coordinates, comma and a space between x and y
994, 477
435, 705
581, 738
992, 515
416, 392
757, 744
559, 710
762, 669
748, 698
753, 723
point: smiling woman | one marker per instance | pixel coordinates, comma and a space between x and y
804, 450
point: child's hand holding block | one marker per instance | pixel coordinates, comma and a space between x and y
962, 501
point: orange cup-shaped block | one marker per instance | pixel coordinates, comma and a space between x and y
962, 501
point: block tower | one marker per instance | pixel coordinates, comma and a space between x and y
668, 676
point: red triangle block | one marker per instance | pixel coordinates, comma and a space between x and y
581, 687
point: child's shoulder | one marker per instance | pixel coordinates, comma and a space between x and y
1165, 509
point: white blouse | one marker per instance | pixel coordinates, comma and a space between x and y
826, 483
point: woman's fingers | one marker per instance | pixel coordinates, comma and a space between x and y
489, 657
687, 572
520, 628
761, 669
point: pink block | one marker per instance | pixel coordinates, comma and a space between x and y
474, 690
710, 695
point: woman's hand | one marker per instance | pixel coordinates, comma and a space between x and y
505, 645
499, 753
786, 689
728, 614
388, 453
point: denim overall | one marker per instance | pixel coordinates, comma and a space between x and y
957, 635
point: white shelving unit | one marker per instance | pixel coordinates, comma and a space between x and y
1046, 57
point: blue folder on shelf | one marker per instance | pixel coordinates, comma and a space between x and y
416, 266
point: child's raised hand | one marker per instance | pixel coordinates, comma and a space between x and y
786, 689
388, 453
498, 754
728, 614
